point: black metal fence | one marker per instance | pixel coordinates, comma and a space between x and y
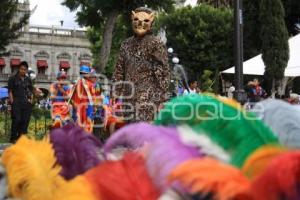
38, 126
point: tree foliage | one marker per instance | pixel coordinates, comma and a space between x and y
207, 82
103, 14
251, 29
292, 15
253, 24
9, 25
120, 33
274, 37
202, 36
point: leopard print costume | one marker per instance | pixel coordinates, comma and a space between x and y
143, 62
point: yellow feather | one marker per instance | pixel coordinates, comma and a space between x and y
76, 189
31, 170
230, 102
258, 160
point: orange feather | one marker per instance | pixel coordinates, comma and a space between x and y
209, 175
258, 161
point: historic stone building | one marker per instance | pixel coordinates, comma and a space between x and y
47, 50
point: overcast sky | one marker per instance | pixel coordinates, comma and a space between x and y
51, 12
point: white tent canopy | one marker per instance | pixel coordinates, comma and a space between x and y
256, 66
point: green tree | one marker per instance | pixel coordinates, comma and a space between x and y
292, 15
121, 31
104, 14
9, 25
202, 36
251, 29
274, 37
207, 82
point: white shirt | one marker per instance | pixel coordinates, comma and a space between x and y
186, 92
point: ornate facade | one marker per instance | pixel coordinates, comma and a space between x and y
47, 50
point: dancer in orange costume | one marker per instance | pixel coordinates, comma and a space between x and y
113, 122
83, 99
60, 92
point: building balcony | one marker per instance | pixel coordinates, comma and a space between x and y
4, 77
43, 78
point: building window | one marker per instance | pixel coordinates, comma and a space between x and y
64, 65
42, 65
14, 65
2, 65
41, 71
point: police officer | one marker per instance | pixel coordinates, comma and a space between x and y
21, 96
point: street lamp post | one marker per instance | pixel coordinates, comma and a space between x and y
174, 60
238, 47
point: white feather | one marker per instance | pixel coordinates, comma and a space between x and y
171, 195
207, 146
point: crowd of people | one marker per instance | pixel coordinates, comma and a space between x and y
82, 102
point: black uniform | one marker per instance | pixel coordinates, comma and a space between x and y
22, 90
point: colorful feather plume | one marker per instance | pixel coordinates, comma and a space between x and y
76, 189
164, 149
202, 141
134, 136
210, 176
280, 180
257, 162
164, 154
76, 150
236, 131
126, 179
282, 118
31, 170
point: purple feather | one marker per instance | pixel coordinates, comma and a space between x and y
76, 151
133, 136
164, 154
165, 150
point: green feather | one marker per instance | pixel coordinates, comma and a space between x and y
239, 132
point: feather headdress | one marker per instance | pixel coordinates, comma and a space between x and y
280, 179
31, 170
126, 179
164, 151
208, 147
134, 136
237, 131
77, 189
76, 151
164, 154
257, 162
210, 176
282, 118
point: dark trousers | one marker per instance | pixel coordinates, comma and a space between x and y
20, 115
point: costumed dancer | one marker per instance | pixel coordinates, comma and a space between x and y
83, 98
60, 92
143, 66
112, 121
